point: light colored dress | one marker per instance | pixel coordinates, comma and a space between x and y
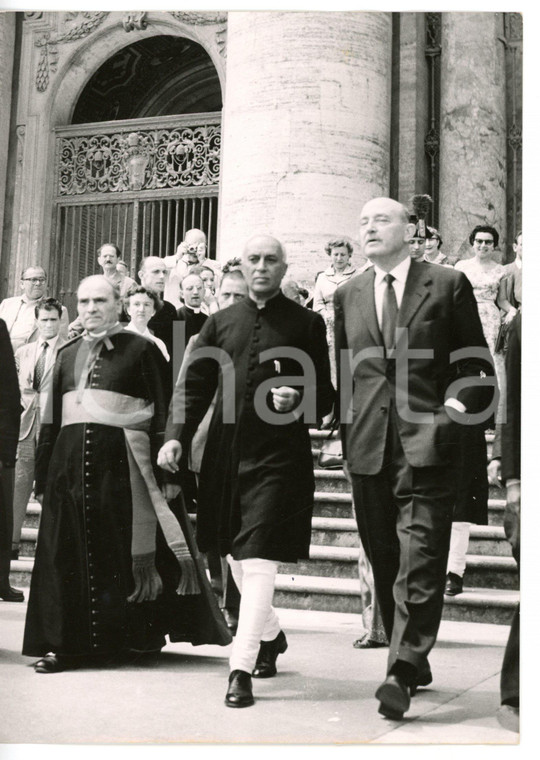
323, 302
486, 287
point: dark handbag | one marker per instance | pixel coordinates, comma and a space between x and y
500, 343
331, 453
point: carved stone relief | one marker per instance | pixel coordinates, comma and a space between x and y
48, 59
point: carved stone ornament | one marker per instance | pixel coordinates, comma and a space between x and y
203, 17
32, 15
134, 20
149, 159
48, 60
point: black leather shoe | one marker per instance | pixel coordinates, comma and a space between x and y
365, 642
239, 693
11, 594
454, 584
424, 678
52, 663
265, 667
231, 618
393, 694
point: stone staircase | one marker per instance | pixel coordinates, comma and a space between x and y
329, 579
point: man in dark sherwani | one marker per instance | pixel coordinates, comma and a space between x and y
256, 483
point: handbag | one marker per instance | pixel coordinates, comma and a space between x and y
331, 453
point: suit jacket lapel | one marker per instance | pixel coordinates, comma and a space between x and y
416, 291
367, 303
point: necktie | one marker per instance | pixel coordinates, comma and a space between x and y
389, 312
39, 369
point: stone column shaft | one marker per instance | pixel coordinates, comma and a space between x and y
473, 129
306, 129
7, 52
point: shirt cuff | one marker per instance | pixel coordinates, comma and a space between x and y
512, 482
455, 404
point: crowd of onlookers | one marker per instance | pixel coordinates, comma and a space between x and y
186, 288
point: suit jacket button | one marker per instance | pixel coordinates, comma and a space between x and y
384, 409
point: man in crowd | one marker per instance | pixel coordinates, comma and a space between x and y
505, 467
232, 290
509, 297
153, 276
192, 295
257, 484
190, 252
10, 413
35, 362
18, 312
108, 256
401, 436
104, 581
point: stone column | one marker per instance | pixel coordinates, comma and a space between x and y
473, 129
413, 107
7, 49
306, 129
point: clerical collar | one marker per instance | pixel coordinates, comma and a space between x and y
101, 333
194, 309
253, 303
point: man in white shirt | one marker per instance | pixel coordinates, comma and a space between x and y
398, 325
18, 312
190, 252
35, 362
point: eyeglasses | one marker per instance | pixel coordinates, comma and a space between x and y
35, 280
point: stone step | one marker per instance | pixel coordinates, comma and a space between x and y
334, 481
342, 562
487, 540
343, 595
336, 504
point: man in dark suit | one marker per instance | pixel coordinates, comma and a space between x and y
403, 430
505, 467
10, 414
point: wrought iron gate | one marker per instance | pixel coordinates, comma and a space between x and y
139, 184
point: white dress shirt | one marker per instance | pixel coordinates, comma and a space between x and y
400, 274
149, 336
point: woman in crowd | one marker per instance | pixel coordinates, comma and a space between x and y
432, 252
140, 305
485, 275
471, 507
340, 271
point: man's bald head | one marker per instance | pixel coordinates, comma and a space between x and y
264, 263
194, 237
99, 280
385, 232
98, 303
267, 241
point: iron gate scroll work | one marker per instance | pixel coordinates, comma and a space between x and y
139, 183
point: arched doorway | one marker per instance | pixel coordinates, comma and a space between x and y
139, 163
